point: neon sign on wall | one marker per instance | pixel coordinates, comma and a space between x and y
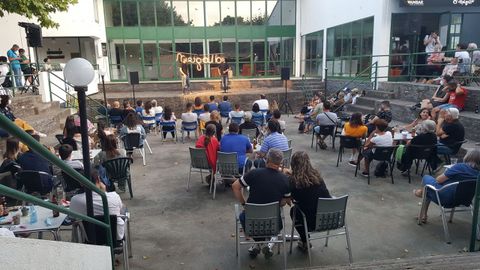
200, 60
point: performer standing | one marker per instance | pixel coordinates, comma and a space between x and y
183, 70
224, 69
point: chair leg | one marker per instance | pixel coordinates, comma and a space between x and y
293, 227
308, 241
392, 166
183, 134
452, 212
142, 152
125, 256
214, 187
349, 247
284, 246
445, 226
129, 183
189, 175
368, 178
326, 239
339, 157
148, 146
130, 253
409, 176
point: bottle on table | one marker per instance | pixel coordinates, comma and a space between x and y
54, 201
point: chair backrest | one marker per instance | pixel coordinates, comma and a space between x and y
237, 120
456, 146
421, 151
198, 158
259, 120
287, 156
383, 153
168, 124
331, 213
349, 142
115, 119
131, 140
189, 126
59, 138
227, 163
69, 183
327, 130
262, 220
101, 233
465, 192
289, 143
34, 181
251, 133
148, 118
198, 112
158, 117
117, 168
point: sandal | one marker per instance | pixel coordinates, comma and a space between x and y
418, 193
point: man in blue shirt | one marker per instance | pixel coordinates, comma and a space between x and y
225, 107
233, 142
15, 64
274, 139
212, 105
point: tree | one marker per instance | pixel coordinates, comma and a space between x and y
40, 9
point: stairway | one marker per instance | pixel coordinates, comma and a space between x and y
308, 86
46, 117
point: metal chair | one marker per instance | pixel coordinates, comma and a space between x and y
464, 193
455, 148
251, 133
34, 182
237, 120
152, 125
347, 142
261, 221
227, 169
331, 215
70, 185
101, 237
290, 143
198, 163
173, 125
59, 138
118, 170
158, 118
259, 120
419, 153
381, 153
287, 156
131, 141
325, 131
189, 127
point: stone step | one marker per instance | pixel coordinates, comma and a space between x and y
380, 94
361, 109
49, 122
366, 101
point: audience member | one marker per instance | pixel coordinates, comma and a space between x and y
204, 116
262, 103
378, 138
237, 112
356, 129
157, 108
169, 117
78, 203
217, 122
212, 146
326, 118
25, 66
276, 115
423, 115
115, 111
133, 125
475, 55
430, 41
455, 98
274, 139
212, 105
425, 136
139, 107
111, 150
236, 143
14, 60
127, 108
257, 116
338, 102
7, 112
306, 185
266, 185
198, 106
384, 113
65, 152
450, 131
467, 170
10, 156
225, 107
248, 124
149, 111
272, 107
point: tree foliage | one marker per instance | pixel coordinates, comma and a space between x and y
39, 9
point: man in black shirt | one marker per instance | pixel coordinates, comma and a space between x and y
383, 113
450, 131
267, 185
184, 74
223, 69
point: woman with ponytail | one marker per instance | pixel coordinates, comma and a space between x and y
211, 145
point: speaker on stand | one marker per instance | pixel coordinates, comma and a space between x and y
34, 39
133, 79
285, 77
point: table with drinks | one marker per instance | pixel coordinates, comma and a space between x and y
32, 219
78, 155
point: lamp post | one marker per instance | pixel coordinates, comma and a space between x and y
79, 72
102, 75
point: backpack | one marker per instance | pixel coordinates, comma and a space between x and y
8, 81
381, 169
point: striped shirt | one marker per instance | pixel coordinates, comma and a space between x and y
274, 140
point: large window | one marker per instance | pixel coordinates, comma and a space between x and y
312, 54
256, 37
349, 48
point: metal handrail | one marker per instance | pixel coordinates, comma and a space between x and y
359, 75
7, 125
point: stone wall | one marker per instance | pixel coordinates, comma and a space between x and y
334, 85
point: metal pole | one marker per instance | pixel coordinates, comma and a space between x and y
476, 205
325, 82
82, 108
104, 93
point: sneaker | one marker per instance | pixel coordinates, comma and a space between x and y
254, 250
365, 174
42, 135
267, 251
352, 163
303, 246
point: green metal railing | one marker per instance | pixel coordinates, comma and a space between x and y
7, 125
71, 101
476, 206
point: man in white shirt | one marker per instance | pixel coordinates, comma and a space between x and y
4, 69
115, 205
262, 103
430, 41
237, 113
463, 58
379, 137
189, 116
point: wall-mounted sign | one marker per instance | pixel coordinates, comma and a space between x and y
439, 3
200, 60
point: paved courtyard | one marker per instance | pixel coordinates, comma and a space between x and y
176, 229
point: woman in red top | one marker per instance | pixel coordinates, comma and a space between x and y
211, 145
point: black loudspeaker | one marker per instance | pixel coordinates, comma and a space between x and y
285, 73
34, 36
133, 77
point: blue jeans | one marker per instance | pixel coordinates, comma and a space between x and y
18, 76
446, 195
225, 83
443, 149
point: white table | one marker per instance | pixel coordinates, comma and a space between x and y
39, 226
399, 137
78, 155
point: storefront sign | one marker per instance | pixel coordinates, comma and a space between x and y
439, 3
200, 60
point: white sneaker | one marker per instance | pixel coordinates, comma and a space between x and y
42, 135
254, 250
